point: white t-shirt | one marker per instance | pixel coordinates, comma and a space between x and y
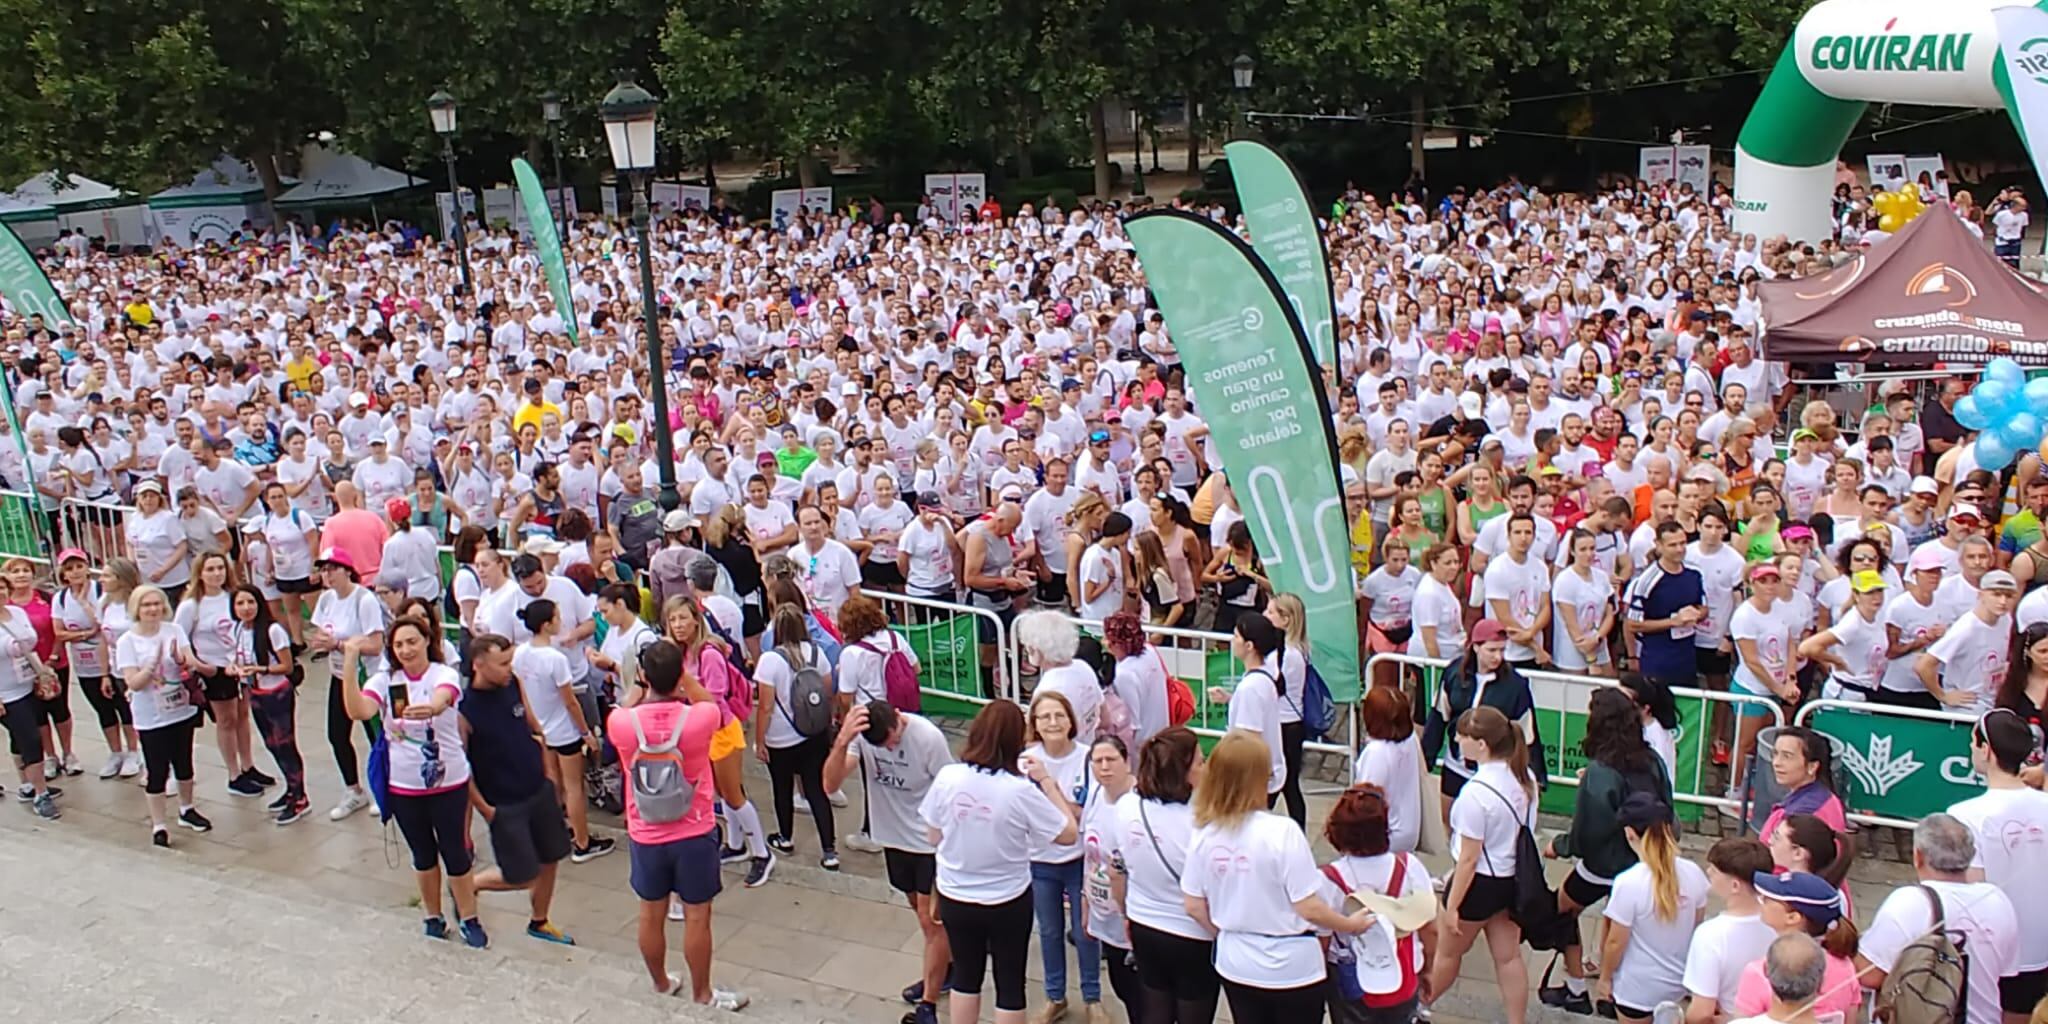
1101, 566
828, 576
1494, 821
1977, 911
1652, 968
1077, 683
1252, 874
1773, 631
1973, 658
1141, 684
1074, 780
1255, 706
210, 623
542, 672
988, 822
1720, 573
1722, 947
897, 781
860, 671
154, 539
359, 614
931, 556
1436, 605
1396, 767
1153, 858
408, 736
87, 657
1393, 597
1523, 586
1586, 602
1914, 622
164, 702
2012, 851
775, 669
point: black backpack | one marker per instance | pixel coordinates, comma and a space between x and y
1535, 907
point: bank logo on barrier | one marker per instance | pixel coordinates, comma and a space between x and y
2032, 60
1875, 769
1930, 51
1899, 767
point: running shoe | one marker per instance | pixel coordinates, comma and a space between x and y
598, 847
781, 844
71, 765
732, 854
435, 928
727, 1000
259, 778
759, 870
192, 819
161, 837
914, 992
243, 786
53, 767
837, 798
131, 764
473, 934
830, 861
1720, 752
355, 801
278, 804
922, 1013
1562, 998
293, 811
675, 908
27, 793
547, 932
116, 762
46, 807
861, 842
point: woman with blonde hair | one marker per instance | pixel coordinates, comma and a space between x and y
156, 664
1652, 910
1251, 879
207, 615
1487, 819
1292, 661
1084, 527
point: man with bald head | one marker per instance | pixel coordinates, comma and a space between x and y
356, 530
1657, 473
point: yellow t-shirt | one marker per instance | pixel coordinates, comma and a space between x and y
531, 413
1361, 544
140, 313
301, 372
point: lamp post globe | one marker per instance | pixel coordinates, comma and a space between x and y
441, 112
628, 112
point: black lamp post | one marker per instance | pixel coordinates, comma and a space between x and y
551, 112
628, 112
1241, 80
1137, 154
441, 108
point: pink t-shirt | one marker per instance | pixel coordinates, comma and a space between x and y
1839, 990
362, 535
659, 721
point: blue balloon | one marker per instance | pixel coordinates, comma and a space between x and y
2021, 431
1970, 412
2006, 371
2037, 397
1993, 394
1993, 452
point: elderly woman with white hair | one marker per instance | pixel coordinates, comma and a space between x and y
1049, 640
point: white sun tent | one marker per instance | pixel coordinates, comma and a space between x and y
328, 177
34, 223
213, 205
101, 211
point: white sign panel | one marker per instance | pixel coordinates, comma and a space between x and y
784, 203
1695, 167
444, 204
557, 199
1887, 170
1657, 165
669, 197
1930, 173
198, 225
956, 196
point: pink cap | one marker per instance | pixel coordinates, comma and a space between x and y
1926, 560
68, 554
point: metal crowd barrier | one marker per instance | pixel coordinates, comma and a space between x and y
949, 638
1909, 760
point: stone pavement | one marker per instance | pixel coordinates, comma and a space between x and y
102, 927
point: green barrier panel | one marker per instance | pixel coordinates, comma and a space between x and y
1567, 757
1899, 767
22, 527
949, 659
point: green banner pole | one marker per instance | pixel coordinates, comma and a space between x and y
1253, 377
29, 291
540, 217
1283, 224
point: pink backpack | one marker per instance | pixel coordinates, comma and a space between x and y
899, 676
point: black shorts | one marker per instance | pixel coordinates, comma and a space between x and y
912, 874
573, 748
1624, 1011
1712, 662
1053, 589
221, 687
527, 835
753, 622
1452, 783
1584, 891
2019, 993
685, 867
305, 586
881, 574
1488, 895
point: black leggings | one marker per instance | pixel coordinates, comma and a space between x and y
113, 711
436, 828
341, 733
1302, 1005
167, 751
1123, 980
979, 931
1292, 736
24, 729
57, 710
804, 761
1178, 974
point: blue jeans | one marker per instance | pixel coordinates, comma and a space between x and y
1050, 883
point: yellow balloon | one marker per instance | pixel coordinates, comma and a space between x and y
1890, 222
1882, 202
1911, 190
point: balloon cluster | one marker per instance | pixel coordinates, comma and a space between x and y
2007, 410
1897, 209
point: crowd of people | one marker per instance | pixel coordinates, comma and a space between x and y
1556, 443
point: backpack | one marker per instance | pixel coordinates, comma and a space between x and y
1929, 983
809, 709
899, 677
1368, 950
1180, 701
739, 699
1114, 718
662, 792
1318, 710
1534, 909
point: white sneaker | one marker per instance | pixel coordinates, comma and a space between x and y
115, 763
863, 843
725, 999
53, 767
838, 799
131, 764
355, 801
71, 765
675, 908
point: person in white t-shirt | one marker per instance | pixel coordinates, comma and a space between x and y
1726, 944
1978, 913
2010, 823
1652, 910
1971, 657
1518, 594
1250, 877
549, 690
1050, 641
1486, 822
1254, 702
1141, 676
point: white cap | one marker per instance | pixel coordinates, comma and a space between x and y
1924, 485
1469, 403
358, 400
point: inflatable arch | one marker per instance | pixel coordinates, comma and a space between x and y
1845, 54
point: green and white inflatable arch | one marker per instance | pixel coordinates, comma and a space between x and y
1848, 53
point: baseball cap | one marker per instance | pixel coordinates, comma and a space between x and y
1924, 485
1764, 570
1797, 531
358, 400
149, 486
68, 554
1099, 437
1469, 404
1866, 581
1803, 434
379, 439
337, 557
539, 544
764, 458
1011, 492
1998, 579
928, 499
1960, 512
678, 520
1925, 560
1641, 811
1809, 894
1487, 631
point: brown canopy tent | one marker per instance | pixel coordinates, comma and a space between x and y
1932, 293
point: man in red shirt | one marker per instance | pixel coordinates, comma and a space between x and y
678, 857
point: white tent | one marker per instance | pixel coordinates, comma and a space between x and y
327, 176
101, 211
213, 205
34, 223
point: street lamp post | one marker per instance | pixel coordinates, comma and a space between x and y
551, 112
441, 109
1241, 79
1137, 154
628, 112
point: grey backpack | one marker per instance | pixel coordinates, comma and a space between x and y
662, 793
809, 709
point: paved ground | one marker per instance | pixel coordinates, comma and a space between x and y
101, 927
